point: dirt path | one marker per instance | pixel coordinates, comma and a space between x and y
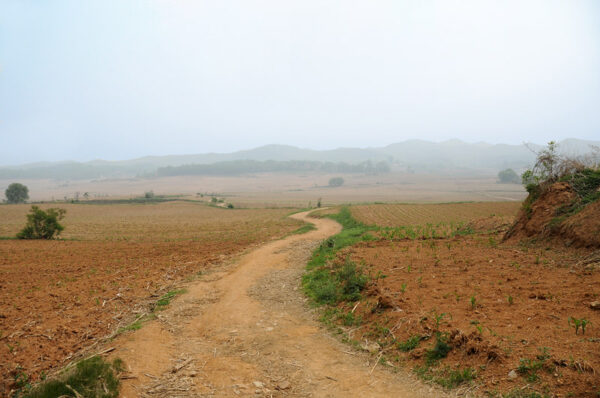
246, 331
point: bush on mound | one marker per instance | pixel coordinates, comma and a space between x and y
563, 200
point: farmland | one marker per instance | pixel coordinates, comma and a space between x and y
290, 189
392, 215
467, 310
57, 297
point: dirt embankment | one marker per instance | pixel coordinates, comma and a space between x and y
551, 216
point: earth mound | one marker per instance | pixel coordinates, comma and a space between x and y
559, 213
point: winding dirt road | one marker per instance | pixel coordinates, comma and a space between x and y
245, 330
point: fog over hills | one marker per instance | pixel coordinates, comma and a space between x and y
453, 157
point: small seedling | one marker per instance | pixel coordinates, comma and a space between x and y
439, 317
473, 301
578, 323
510, 300
403, 287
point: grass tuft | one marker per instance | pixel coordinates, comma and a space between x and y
91, 378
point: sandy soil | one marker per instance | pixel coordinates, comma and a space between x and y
246, 331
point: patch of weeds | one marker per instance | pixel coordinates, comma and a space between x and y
137, 325
440, 349
448, 378
350, 319
528, 368
344, 283
409, 344
454, 378
165, 300
91, 378
521, 393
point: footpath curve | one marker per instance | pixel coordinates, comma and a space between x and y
245, 330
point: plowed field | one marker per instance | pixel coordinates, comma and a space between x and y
57, 297
393, 215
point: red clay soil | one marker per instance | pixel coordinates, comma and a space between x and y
542, 220
57, 297
495, 304
583, 229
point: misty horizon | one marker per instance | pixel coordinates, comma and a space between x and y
580, 147
122, 80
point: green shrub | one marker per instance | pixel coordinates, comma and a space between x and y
42, 224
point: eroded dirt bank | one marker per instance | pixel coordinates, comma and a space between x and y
246, 331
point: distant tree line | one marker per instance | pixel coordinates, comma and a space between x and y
237, 167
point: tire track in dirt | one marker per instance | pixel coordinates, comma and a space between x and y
246, 331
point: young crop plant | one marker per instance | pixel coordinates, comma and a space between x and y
473, 301
576, 324
439, 317
510, 300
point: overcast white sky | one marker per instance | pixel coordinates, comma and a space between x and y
120, 79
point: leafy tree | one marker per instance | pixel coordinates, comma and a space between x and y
508, 176
42, 224
336, 182
16, 193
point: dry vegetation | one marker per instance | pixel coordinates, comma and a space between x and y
57, 297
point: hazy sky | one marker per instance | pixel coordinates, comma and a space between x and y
121, 79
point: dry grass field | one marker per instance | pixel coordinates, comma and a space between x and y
57, 297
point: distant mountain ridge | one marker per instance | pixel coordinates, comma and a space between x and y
448, 157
